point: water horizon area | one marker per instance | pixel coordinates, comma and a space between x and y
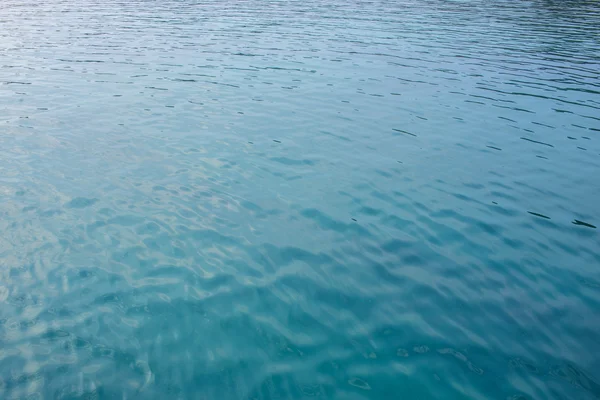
300, 199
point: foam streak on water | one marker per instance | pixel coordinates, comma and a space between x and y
299, 199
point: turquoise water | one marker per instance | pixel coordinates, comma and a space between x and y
299, 199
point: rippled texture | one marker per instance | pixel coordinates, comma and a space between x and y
297, 199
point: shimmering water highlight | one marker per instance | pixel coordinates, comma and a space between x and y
299, 199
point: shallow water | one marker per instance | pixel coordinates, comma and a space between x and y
298, 199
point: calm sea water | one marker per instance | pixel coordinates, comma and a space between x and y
299, 199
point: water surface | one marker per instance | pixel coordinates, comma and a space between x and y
299, 199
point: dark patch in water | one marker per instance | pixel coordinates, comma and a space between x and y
539, 215
578, 222
406, 133
538, 142
80, 202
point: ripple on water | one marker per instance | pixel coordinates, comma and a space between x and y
299, 199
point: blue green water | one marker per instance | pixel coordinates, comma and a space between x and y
299, 199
